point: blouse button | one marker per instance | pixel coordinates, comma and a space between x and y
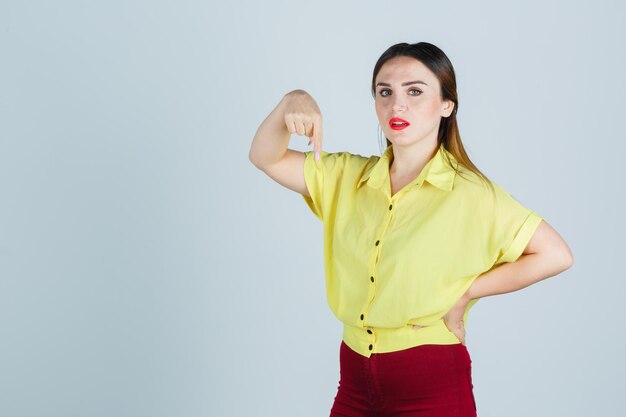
377, 242
371, 347
372, 278
369, 331
390, 205
361, 316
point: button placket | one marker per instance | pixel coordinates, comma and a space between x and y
372, 278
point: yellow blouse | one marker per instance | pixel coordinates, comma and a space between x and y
395, 261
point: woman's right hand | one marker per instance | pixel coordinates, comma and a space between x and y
304, 118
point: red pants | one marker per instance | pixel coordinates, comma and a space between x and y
422, 381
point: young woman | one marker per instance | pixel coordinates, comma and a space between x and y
412, 239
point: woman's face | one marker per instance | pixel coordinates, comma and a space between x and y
418, 103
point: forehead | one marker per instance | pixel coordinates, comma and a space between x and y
402, 68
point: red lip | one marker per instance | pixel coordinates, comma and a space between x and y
398, 127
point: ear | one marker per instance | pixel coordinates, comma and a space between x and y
446, 108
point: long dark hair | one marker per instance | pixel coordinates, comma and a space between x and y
436, 61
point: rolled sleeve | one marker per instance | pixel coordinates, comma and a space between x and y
513, 226
314, 179
322, 179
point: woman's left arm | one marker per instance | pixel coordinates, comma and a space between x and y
546, 255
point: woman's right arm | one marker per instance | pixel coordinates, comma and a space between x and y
297, 113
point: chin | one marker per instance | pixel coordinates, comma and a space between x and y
401, 140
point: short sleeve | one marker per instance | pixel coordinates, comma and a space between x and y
322, 179
513, 226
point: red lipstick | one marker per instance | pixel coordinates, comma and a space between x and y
398, 124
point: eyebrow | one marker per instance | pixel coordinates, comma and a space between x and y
403, 84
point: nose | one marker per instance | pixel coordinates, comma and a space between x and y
399, 105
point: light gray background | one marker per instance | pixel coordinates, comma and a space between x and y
147, 268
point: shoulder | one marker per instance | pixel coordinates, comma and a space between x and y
467, 181
345, 155
471, 187
487, 194
339, 160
